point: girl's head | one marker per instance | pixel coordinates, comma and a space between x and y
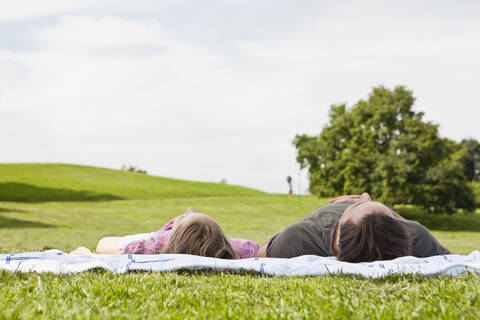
200, 235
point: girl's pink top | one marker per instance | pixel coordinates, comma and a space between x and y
155, 244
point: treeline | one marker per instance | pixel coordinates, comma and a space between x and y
383, 147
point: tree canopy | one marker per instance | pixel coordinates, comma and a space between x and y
383, 147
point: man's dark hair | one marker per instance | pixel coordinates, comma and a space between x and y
374, 237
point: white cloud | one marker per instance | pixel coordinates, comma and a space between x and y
28, 9
82, 33
223, 95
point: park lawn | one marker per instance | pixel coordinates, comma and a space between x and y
81, 217
67, 225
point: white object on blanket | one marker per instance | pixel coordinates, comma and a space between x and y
59, 262
126, 240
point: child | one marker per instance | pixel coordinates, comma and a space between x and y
191, 233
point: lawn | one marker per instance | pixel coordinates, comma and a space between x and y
63, 206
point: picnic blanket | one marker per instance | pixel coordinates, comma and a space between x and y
59, 262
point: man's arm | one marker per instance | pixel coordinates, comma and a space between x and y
262, 252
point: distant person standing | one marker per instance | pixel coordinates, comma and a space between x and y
289, 181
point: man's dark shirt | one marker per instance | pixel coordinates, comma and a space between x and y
315, 235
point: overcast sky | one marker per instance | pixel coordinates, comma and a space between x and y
210, 90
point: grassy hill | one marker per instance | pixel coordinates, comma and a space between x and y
64, 206
63, 182
48, 202
74, 203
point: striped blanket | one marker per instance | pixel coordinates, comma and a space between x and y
59, 262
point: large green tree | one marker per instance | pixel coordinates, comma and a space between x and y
382, 146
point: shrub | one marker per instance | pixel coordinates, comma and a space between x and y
133, 168
454, 222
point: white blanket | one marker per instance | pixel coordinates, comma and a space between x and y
59, 262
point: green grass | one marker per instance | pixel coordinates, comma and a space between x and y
66, 225
62, 182
207, 295
139, 203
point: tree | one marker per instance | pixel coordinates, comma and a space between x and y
472, 159
383, 147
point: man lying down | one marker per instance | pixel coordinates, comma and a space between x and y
354, 229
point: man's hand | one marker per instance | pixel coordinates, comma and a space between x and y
352, 198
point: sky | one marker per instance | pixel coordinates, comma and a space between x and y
210, 90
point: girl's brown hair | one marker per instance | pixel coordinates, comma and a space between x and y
204, 238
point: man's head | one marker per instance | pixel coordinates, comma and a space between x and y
369, 232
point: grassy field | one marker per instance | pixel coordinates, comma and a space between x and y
64, 206
37, 183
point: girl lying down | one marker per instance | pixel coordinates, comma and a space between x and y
191, 233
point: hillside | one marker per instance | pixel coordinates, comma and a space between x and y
64, 182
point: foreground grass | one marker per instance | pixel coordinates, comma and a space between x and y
207, 295
62, 207
219, 296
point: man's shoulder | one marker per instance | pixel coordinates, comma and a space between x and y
414, 227
424, 244
332, 209
328, 216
